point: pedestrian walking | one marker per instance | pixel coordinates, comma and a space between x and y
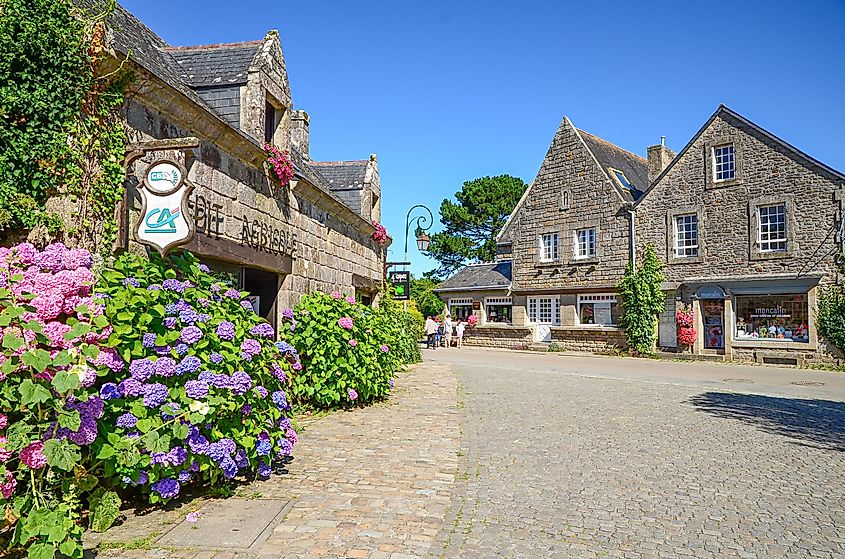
448, 330
438, 338
430, 332
459, 333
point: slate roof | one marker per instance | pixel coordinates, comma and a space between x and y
491, 275
342, 175
634, 167
215, 65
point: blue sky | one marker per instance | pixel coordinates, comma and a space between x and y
449, 91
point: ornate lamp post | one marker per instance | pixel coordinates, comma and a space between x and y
423, 223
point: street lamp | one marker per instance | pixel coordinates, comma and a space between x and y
423, 224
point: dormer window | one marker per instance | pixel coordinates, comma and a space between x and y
621, 179
724, 165
272, 118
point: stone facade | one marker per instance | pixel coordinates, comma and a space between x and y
593, 339
291, 240
499, 335
767, 172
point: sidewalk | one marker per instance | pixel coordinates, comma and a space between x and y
371, 483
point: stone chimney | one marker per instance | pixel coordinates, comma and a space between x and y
659, 157
300, 123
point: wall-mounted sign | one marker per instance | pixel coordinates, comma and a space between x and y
710, 292
164, 222
476, 305
401, 284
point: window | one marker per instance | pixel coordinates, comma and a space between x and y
621, 179
686, 236
498, 309
601, 309
772, 318
543, 310
460, 309
771, 228
585, 243
269, 122
724, 168
549, 247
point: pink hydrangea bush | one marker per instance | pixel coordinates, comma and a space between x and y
53, 332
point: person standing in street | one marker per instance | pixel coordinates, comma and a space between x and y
430, 332
447, 330
459, 333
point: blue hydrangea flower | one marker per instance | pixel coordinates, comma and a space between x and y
215, 358
154, 395
280, 399
154, 287
191, 334
142, 369
189, 364
173, 285
182, 349
226, 331
196, 389
184, 476
206, 376
110, 391
230, 469
149, 339
263, 447
131, 281
167, 488
264, 470
126, 421
165, 367
198, 443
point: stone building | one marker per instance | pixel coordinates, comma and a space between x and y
747, 227
278, 242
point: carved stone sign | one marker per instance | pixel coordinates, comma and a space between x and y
164, 222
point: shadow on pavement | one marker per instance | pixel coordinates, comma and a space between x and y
815, 421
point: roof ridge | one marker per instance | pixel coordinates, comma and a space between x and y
611, 144
343, 162
212, 46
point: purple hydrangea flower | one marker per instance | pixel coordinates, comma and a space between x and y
126, 421
221, 381
247, 305
246, 409
297, 366
385, 348
251, 347
149, 339
280, 399
162, 349
232, 294
191, 334
184, 476
229, 467
154, 287
392, 383
110, 391
165, 367
181, 349
173, 285
220, 450
198, 443
178, 307
215, 357
130, 388
263, 330
229, 445
206, 376
194, 467
264, 470
142, 369
279, 373
285, 447
353, 394
204, 269
131, 281
240, 383
154, 395
167, 488
261, 391
241, 459
226, 330
345, 322
196, 389
189, 364
170, 322
285, 423
287, 314
263, 447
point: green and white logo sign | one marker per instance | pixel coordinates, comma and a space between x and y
164, 222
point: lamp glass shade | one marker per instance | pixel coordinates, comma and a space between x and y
423, 241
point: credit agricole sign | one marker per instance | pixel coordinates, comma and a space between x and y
165, 222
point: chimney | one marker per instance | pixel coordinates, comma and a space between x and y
300, 123
659, 158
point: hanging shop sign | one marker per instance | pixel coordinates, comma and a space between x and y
710, 292
401, 284
165, 223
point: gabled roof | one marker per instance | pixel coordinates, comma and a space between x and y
343, 175
214, 65
723, 110
489, 275
609, 156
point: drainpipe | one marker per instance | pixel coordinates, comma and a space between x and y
632, 240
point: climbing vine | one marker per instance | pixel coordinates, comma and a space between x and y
61, 135
642, 301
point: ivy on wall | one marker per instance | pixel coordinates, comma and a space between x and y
61, 135
642, 301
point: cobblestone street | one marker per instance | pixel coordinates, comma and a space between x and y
566, 465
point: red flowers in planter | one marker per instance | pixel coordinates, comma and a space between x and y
380, 234
279, 163
686, 330
472, 320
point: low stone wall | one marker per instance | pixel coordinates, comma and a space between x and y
825, 354
499, 335
594, 340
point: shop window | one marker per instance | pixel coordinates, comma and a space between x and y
460, 309
772, 318
499, 309
724, 165
771, 228
544, 310
599, 309
549, 247
686, 236
585, 243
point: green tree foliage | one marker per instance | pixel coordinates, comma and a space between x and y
642, 301
483, 205
422, 293
830, 315
44, 77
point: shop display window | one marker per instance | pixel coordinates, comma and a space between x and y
772, 317
460, 309
599, 309
498, 309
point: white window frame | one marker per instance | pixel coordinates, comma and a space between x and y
724, 163
549, 251
680, 251
596, 298
589, 244
498, 301
534, 306
765, 244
